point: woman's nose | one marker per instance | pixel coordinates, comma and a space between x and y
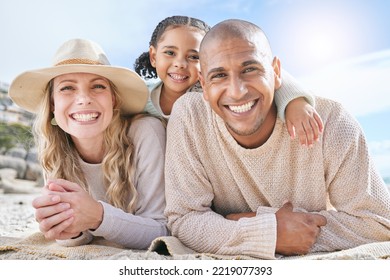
83, 97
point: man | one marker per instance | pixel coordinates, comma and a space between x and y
235, 182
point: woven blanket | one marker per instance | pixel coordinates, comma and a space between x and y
36, 247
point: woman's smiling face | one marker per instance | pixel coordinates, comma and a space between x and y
83, 104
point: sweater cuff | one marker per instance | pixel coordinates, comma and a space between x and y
83, 239
259, 234
266, 210
290, 90
107, 223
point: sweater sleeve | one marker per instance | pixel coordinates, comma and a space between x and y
190, 194
83, 239
359, 198
138, 230
290, 90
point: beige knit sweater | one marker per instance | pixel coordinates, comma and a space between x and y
208, 175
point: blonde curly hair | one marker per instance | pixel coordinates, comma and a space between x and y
59, 157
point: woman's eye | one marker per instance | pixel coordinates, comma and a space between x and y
100, 86
169, 52
66, 88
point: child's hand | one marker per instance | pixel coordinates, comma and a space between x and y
303, 119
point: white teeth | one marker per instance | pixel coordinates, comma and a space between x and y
242, 108
85, 117
177, 77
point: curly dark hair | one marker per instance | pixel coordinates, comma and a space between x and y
142, 64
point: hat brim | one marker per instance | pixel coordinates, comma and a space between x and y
28, 89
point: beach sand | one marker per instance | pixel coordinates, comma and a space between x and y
17, 215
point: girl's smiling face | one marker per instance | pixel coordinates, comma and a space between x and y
176, 58
83, 105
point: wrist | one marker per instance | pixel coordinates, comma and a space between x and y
99, 217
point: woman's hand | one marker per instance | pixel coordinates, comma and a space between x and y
65, 210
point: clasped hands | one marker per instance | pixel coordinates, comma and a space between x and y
296, 231
64, 210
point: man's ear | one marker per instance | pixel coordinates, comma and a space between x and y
277, 72
202, 83
152, 56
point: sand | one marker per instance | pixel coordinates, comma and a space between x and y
17, 215
16, 212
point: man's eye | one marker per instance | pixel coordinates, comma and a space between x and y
218, 76
250, 69
100, 86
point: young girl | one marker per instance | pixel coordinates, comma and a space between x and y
103, 173
171, 68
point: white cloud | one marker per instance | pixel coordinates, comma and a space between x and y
360, 84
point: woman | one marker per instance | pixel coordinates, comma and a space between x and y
103, 173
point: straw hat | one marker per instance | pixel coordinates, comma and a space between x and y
79, 56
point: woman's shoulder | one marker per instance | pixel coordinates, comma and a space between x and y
146, 124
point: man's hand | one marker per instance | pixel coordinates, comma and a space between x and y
237, 216
296, 232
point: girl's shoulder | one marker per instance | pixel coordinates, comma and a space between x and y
195, 88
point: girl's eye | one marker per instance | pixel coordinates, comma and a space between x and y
194, 57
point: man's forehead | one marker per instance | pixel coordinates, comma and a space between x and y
225, 53
254, 40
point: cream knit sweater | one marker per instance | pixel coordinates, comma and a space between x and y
208, 175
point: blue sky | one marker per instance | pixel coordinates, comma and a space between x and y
340, 49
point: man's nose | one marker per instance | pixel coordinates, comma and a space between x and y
237, 88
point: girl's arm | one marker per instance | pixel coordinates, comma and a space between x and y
296, 107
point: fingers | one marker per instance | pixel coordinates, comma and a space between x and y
63, 185
54, 224
57, 231
319, 122
290, 129
318, 219
56, 188
307, 129
287, 207
45, 200
237, 216
42, 213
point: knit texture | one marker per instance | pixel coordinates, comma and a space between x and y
208, 175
